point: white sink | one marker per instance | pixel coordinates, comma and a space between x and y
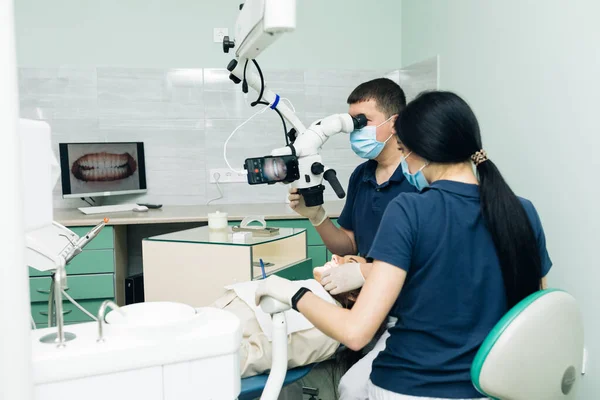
200, 344
161, 316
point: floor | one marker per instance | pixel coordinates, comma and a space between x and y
323, 377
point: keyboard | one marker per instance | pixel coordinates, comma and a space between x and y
107, 209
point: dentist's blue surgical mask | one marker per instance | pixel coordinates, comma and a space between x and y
417, 179
364, 141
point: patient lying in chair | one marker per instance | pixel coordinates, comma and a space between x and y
305, 346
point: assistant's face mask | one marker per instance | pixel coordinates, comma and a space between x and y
417, 179
364, 141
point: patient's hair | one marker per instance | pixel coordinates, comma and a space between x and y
388, 95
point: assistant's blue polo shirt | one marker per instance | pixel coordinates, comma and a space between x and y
453, 294
366, 201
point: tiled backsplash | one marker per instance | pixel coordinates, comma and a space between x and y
184, 116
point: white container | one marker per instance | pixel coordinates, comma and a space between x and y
241, 237
217, 220
218, 236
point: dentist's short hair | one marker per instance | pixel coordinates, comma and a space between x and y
388, 95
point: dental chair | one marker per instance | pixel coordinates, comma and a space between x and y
253, 386
534, 352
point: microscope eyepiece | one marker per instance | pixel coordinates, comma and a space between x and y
360, 121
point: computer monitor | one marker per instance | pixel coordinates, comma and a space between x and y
102, 169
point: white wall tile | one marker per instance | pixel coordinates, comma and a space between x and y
418, 77
184, 116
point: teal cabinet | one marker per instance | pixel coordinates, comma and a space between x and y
104, 240
78, 287
71, 314
300, 271
318, 255
88, 262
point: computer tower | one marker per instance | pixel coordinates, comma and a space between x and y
134, 289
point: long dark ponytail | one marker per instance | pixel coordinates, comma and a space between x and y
441, 128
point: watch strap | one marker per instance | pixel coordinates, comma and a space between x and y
296, 298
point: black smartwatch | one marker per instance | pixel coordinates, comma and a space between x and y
296, 298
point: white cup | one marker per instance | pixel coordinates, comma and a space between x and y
217, 220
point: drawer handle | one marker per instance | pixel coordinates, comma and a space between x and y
44, 291
64, 312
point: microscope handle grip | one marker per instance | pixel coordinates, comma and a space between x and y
331, 177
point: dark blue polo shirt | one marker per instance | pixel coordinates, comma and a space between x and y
453, 294
366, 201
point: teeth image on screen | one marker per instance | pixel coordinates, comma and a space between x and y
103, 167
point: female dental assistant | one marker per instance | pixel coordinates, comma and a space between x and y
458, 255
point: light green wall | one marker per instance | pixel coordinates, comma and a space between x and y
531, 71
349, 34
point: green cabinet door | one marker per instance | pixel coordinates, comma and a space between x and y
79, 287
88, 262
300, 271
312, 236
318, 255
39, 311
104, 240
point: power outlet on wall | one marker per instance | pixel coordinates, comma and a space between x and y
219, 34
225, 175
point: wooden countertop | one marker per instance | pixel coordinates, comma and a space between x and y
199, 213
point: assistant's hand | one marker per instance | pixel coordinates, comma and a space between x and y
343, 278
279, 288
316, 215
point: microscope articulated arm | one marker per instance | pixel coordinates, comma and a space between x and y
236, 67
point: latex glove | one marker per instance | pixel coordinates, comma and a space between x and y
279, 288
316, 215
318, 271
343, 278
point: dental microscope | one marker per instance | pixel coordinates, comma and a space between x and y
299, 163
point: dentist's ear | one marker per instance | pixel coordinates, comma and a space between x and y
393, 120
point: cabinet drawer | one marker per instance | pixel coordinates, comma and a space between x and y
39, 311
80, 287
104, 240
43, 325
88, 262
301, 270
318, 255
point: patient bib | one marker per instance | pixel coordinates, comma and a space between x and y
296, 322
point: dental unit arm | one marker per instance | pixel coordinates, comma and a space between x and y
49, 246
259, 24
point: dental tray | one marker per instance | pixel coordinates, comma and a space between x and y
258, 231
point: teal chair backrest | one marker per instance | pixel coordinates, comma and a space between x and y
534, 352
